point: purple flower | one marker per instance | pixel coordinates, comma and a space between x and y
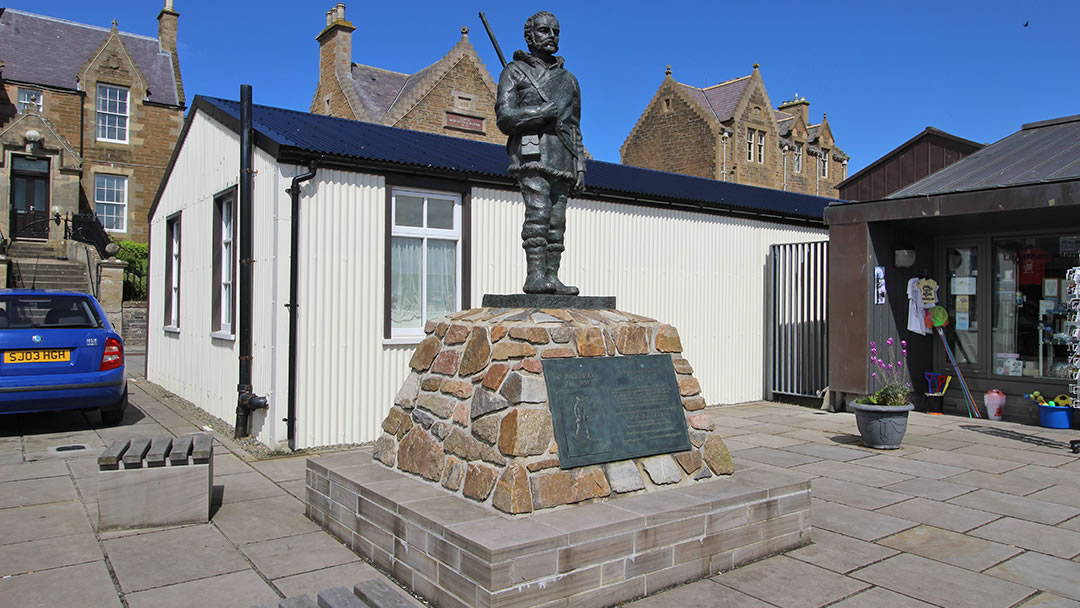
889, 342
873, 351
903, 344
899, 364
890, 367
873, 345
873, 375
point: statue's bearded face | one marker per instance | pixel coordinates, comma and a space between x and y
544, 35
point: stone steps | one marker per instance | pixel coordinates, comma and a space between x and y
49, 274
373, 593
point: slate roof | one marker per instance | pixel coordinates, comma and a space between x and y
301, 134
377, 88
1039, 152
50, 52
784, 122
720, 99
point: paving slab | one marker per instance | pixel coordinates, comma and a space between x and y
36, 491
1072, 524
933, 442
966, 461
1060, 494
282, 469
86, 584
295, 554
853, 472
883, 598
263, 519
242, 589
855, 495
941, 584
229, 464
1009, 482
857, 523
767, 440
311, 583
190, 553
777, 457
32, 470
702, 594
1049, 600
929, 488
788, 582
950, 547
1053, 574
243, 487
1029, 535
828, 452
1017, 506
939, 514
910, 467
840, 553
20, 558
1017, 455
1063, 475
43, 521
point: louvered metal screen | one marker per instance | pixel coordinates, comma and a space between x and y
797, 331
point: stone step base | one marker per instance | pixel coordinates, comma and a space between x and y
372, 593
455, 553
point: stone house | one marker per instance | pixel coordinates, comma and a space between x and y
730, 132
454, 96
88, 119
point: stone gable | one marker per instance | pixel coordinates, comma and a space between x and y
673, 134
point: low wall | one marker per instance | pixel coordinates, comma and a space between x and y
134, 323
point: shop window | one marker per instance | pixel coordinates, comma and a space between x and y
425, 259
1030, 307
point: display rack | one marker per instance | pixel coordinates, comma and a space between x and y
1072, 332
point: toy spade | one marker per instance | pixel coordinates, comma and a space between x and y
938, 317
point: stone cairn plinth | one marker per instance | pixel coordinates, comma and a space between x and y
473, 414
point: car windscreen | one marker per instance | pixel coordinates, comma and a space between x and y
46, 311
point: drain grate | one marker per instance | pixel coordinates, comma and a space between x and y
70, 448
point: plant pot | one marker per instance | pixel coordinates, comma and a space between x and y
881, 426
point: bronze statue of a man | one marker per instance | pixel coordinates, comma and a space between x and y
539, 109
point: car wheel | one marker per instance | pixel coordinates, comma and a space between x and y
115, 414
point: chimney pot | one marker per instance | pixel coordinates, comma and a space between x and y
329, 17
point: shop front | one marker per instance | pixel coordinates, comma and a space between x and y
996, 233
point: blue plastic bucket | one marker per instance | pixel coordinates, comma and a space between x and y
1054, 417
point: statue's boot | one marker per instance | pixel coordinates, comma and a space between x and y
551, 266
535, 279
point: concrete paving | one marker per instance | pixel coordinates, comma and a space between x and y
966, 513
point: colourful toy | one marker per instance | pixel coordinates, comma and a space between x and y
937, 317
1063, 400
1036, 397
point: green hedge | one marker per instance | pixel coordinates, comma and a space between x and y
137, 255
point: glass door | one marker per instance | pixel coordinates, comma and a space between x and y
961, 300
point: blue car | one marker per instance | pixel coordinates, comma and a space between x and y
59, 353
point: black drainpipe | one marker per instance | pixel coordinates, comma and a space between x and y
294, 272
246, 400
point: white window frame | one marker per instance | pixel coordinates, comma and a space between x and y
122, 204
21, 103
824, 163
404, 335
172, 273
122, 117
761, 146
224, 273
750, 145
798, 157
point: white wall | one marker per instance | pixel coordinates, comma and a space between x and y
703, 274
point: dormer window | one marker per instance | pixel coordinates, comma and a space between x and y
798, 157
824, 163
29, 99
112, 113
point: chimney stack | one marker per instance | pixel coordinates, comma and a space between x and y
335, 43
799, 107
168, 19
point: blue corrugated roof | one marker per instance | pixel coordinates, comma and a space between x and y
337, 137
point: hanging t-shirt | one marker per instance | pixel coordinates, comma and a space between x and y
928, 292
916, 311
1032, 265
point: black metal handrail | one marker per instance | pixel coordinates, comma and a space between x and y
85, 228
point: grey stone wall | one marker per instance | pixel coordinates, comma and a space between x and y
134, 324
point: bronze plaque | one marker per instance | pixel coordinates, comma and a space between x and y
614, 408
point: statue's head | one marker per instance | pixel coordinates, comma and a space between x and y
542, 33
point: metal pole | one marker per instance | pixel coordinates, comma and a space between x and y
494, 43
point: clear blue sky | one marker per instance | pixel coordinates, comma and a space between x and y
882, 71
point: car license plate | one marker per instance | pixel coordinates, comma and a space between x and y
37, 356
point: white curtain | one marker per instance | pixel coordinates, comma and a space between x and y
405, 291
441, 278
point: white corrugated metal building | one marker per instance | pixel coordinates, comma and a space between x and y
686, 251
